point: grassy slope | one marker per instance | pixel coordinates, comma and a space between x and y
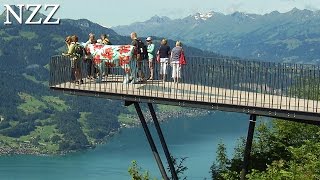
85, 129
31, 104
39, 139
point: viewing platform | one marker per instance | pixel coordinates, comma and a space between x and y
288, 91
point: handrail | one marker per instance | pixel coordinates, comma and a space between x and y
205, 79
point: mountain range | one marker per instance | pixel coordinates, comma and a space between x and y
282, 37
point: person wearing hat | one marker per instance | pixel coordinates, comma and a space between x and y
150, 49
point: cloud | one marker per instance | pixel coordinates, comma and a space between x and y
172, 13
234, 7
311, 7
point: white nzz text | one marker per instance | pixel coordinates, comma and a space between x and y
35, 10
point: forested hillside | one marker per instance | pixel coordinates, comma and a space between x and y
35, 119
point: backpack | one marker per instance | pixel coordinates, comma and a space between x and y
142, 50
79, 50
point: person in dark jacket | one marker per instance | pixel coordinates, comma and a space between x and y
137, 55
91, 69
164, 52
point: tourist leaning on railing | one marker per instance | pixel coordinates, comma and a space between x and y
72, 43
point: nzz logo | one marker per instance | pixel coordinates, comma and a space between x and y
36, 8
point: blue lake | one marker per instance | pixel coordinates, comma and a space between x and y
195, 138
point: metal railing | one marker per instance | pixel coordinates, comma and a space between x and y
214, 80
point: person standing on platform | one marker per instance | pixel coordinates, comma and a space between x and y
75, 58
164, 53
150, 49
105, 39
175, 63
91, 69
138, 52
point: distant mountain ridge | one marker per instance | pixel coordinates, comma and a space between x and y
284, 37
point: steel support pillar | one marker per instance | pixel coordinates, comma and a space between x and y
150, 140
247, 151
163, 142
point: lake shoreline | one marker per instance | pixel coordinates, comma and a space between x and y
166, 116
29, 149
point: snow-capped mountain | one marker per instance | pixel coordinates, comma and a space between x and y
290, 37
204, 16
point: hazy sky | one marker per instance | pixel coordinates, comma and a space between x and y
121, 12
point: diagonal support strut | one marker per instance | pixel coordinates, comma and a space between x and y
163, 142
247, 151
150, 140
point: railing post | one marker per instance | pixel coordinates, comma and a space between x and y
252, 123
163, 142
150, 140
